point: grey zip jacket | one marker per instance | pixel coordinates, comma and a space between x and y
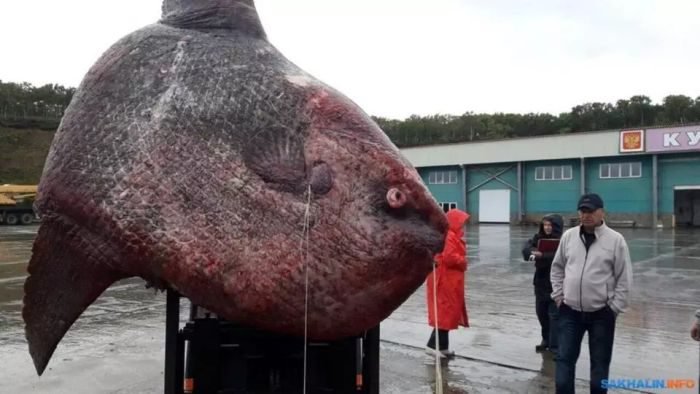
588, 280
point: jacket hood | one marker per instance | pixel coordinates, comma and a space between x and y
456, 219
557, 225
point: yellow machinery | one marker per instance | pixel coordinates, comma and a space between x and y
16, 204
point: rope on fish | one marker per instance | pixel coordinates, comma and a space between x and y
438, 366
304, 249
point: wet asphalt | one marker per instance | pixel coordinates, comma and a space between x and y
117, 345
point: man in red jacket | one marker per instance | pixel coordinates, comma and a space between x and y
448, 277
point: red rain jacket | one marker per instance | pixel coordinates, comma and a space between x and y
449, 275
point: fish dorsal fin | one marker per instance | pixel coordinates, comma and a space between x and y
239, 15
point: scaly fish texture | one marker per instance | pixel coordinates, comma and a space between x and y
196, 156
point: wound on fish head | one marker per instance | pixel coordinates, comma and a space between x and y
239, 15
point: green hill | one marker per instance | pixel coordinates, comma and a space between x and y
22, 154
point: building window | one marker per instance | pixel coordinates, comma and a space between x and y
446, 206
554, 173
442, 177
621, 170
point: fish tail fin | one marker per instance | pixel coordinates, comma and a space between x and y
65, 276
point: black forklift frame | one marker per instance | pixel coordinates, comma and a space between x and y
205, 336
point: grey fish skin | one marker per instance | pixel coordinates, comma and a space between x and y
189, 157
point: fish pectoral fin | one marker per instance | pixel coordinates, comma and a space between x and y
276, 154
65, 276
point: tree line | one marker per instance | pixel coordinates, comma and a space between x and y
637, 111
23, 105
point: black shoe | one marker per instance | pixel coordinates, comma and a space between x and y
541, 347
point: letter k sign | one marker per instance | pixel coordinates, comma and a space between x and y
670, 139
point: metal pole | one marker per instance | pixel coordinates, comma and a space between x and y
464, 186
583, 176
520, 192
655, 190
372, 362
173, 385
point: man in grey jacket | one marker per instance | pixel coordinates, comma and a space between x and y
591, 278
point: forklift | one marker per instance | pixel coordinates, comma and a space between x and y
210, 355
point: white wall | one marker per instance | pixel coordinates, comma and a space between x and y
590, 144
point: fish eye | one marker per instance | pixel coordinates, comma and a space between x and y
321, 180
395, 198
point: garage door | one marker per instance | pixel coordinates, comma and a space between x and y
494, 206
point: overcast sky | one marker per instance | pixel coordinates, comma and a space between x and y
401, 57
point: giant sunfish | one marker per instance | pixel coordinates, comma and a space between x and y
196, 156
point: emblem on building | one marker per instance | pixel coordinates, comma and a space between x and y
631, 141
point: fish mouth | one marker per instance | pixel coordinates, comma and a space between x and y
434, 241
428, 229
424, 241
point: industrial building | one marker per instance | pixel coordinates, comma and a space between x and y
647, 177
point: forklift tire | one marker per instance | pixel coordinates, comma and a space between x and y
11, 219
26, 218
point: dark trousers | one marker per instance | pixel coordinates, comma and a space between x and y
443, 336
553, 327
548, 316
542, 309
600, 326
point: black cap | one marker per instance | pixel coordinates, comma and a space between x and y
590, 201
